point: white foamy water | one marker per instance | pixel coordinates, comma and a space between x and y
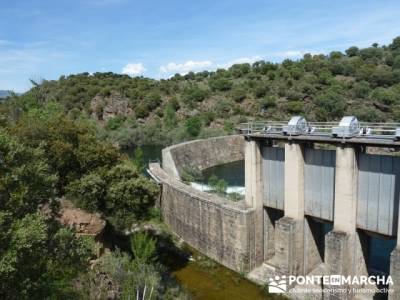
207, 188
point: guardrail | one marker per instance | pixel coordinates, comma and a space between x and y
348, 127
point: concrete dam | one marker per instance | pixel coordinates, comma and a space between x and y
316, 195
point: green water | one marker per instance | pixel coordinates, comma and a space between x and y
217, 283
150, 152
204, 278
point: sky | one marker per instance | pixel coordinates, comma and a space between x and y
44, 39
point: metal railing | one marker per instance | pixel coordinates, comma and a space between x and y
364, 129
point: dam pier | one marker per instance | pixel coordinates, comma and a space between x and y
317, 197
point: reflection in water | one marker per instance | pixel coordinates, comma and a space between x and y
150, 152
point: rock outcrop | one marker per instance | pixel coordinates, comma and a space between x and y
106, 107
83, 222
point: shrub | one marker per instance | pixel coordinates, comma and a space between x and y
385, 96
153, 100
330, 104
170, 116
361, 89
220, 84
223, 107
208, 117
217, 185
294, 107
143, 248
194, 94
115, 122
268, 102
238, 94
193, 126
142, 111
260, 90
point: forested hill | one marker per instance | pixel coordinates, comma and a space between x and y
362, 82
4, 94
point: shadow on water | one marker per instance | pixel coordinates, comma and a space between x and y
169, 255
203, 278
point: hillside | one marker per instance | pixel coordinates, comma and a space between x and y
4, 94
362, 82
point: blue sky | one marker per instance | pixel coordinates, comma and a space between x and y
157, 38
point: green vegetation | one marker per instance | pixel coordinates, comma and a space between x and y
131, 276
217, 185
38, 257
47, 153
364, 82
60, 140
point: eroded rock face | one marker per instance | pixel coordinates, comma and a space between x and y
82, 221
105, 108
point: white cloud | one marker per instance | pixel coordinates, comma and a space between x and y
184, 68
295, 53
290, 54
133, 69
241, 60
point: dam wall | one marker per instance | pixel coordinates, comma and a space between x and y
217, 227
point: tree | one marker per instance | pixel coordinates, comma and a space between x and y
25, 176
122, 194
88, 192
352, 51
395, 45
38, 258
71, 147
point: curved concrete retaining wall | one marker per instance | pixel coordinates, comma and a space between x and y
217, 227
202, 154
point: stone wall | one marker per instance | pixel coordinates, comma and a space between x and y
202, 154
219, 228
